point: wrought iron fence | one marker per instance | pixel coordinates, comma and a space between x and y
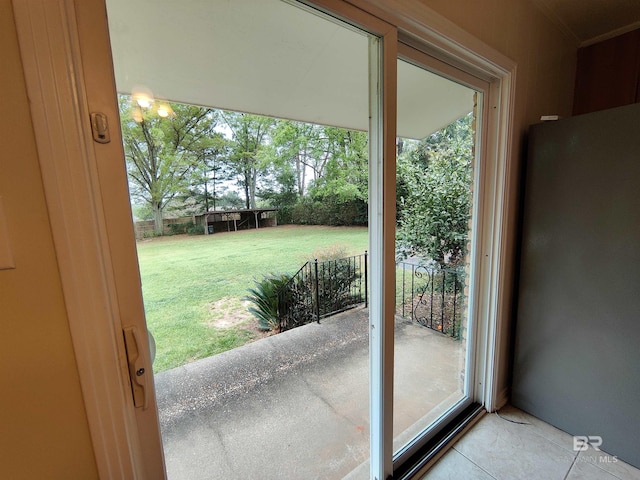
320, 289
425, 294
431, 296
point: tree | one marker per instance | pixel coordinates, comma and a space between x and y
162, 151
292, 153
434, 188
230, 201
211, 170
344, 171
249, 133
295, 157
341, 194
321, 151
318, 174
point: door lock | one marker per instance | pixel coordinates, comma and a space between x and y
100, 127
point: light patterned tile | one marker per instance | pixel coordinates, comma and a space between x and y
587, 471
508, 450
455, 466
555, 435
610, 464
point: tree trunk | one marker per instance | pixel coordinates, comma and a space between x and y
157, 218
252, 188
247, 197
301, 170
206, 193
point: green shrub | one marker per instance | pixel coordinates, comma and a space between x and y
265, 298
297, 299
326, 211
178, 228
333, 252
337, 279
195, 230
150, 234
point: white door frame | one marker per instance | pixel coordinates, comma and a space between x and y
56, 75
126, 440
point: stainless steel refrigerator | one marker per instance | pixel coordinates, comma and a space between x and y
577, 337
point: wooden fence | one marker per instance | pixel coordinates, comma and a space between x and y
146, 228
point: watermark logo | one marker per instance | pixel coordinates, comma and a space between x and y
581, 442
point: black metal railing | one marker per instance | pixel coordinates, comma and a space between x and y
321, 289
431, 296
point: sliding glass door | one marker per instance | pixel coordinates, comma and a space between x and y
284, 108
345, 123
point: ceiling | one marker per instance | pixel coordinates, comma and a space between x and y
271, 58
267, 57
590, 21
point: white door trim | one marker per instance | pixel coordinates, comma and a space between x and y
50, 50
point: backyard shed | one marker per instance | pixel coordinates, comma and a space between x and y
234, 220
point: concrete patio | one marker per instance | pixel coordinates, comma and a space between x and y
295, 405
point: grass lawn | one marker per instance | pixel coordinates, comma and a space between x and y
193, 285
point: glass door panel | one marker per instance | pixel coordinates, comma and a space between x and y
436, 160
266, 102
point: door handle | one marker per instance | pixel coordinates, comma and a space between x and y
137, 371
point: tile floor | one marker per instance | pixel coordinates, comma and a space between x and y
515, 445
